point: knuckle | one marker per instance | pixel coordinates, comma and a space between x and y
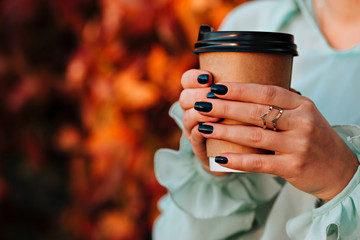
186, 120
307, 119
191, 119
187, 134
225, 110
255, 113
308, 105
286, 123
257, 163
308, 102
269, 93
189, 78
185, 78
182, 99
223, 131
241, 90
308, 124
256, 135
196, 135
298, 166
304, 145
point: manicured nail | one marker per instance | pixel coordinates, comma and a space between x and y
219, 89
203, 78
203, 128
212, 95
203, 106
221, 160
295, 91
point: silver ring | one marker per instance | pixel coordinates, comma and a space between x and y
277, 116
264, 115
274, 119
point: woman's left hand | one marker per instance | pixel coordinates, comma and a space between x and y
309, 154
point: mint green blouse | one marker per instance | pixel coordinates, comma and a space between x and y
251, 206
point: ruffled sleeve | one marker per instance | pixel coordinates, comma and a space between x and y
340, 217
202, 195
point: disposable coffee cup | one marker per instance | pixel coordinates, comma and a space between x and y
257, 57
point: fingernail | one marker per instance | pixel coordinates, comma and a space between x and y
203, 106
203, 128
212, 96
203, 78
221, 160
295, 91
219, 89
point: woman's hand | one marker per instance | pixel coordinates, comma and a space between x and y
196, 84
309, 154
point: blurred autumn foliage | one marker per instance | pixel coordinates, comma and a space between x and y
85, 90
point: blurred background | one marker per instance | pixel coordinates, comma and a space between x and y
85, 88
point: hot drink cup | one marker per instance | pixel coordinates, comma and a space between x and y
247, 57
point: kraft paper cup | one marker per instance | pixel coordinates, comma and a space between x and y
247, 57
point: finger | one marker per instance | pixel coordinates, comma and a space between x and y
192, 118
295, 91
251, 136
260, 163
196, 78
198, 145
257, 93
248, 113
189, 96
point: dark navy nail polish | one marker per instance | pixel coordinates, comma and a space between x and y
203, 106
203, 78
203, 128
212, 96
221, 160
219, 89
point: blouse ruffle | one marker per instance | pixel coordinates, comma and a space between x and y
204, 195
340, 217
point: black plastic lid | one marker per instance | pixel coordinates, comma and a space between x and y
249, 41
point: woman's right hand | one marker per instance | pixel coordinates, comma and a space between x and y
196, 85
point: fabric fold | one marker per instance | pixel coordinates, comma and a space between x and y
337, 219
340, 217
351, 135
202, 194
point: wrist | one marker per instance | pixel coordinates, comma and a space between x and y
343, 180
